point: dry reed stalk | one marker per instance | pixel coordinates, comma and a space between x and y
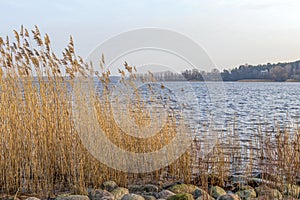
41, 152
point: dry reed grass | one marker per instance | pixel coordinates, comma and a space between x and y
41, 153
40, 150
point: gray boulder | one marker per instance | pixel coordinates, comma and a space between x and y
132, 197
164, 194
99, 194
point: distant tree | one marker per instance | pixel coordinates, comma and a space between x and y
226, 76
279, 73
289, 70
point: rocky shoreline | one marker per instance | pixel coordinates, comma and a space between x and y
239, 189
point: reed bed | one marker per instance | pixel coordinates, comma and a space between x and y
41, 152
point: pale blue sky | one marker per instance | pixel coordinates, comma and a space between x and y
233, 32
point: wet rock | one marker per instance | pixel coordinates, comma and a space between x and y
72, 197
132, 197
217, 191
183, 188
164, 194
119, 192
183, 196
109, 185
99, 194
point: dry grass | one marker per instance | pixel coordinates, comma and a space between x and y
40, 150
41, 153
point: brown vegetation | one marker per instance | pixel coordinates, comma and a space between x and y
40, 151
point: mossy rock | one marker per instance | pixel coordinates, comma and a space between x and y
183, 196
217, 191
183, 188
109, 185
119, 192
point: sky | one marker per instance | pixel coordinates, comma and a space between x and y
232, 32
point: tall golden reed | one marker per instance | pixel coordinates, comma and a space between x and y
41, 153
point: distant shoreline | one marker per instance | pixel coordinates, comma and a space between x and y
266, 80
242, 81
256, 80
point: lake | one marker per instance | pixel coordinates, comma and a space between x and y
247, 104
239, 114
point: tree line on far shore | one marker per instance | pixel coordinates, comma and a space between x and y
272, 72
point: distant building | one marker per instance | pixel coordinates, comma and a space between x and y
264, 72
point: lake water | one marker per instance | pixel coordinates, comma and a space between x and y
254, 103
247, 104
237, 113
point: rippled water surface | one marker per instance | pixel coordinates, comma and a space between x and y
239, 113
248, 104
